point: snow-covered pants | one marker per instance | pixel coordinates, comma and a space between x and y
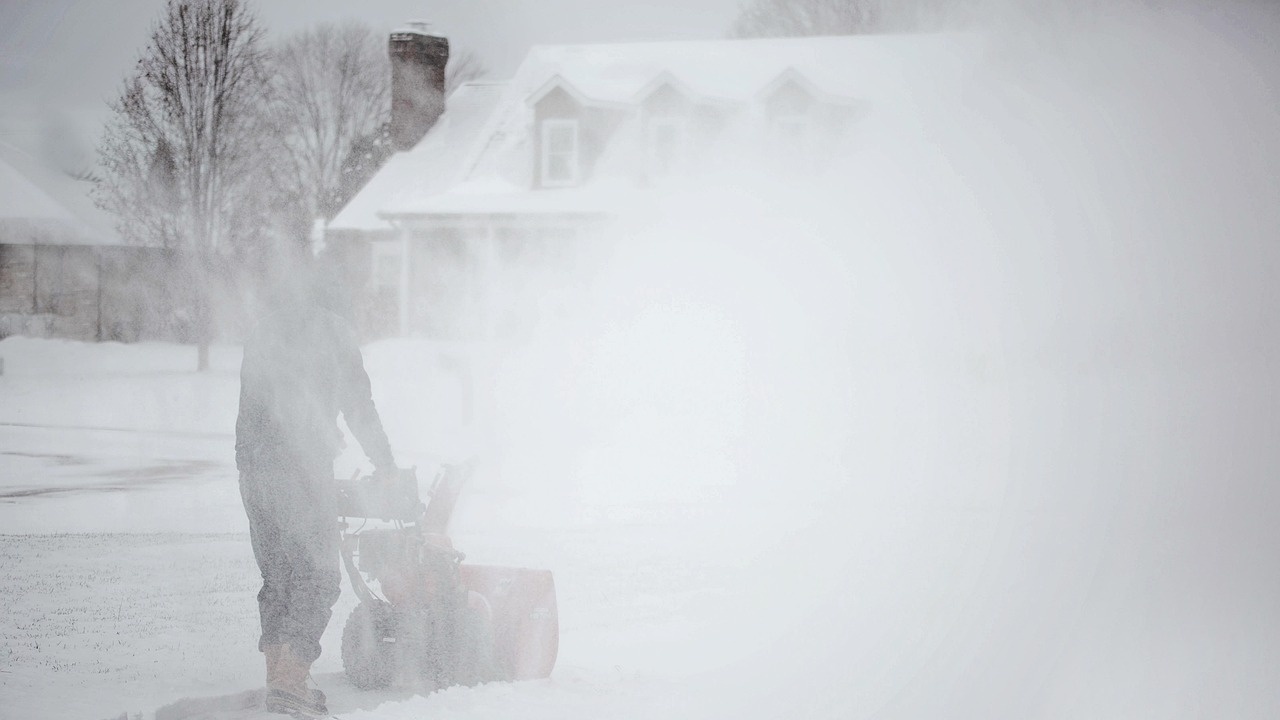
293, 525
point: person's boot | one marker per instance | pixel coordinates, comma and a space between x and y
287, 690
272, 655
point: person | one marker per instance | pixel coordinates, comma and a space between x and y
301, 367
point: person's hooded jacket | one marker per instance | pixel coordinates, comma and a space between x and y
301, 367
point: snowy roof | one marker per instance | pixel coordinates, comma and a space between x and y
496, 196
416, 27
435, 164
473, 161
840, 66
42, 206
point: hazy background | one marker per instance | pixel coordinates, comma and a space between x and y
997, 395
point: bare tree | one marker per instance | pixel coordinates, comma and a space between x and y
330, 86
331, 91
791, 18
464, 66
182, 146
785, 18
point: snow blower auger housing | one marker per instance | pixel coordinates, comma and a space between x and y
438, 621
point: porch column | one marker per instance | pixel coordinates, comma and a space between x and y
405, 256
489, 280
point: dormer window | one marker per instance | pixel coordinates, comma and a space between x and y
666, 138
560, 161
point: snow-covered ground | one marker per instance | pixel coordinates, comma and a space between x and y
926, 578
131, 581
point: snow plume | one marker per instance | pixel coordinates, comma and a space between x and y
976, 421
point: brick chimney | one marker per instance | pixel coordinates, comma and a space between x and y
418, 59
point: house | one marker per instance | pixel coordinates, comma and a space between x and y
458, 235
64, 272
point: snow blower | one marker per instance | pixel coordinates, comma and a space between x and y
437, 621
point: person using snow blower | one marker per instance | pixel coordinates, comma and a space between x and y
302, 366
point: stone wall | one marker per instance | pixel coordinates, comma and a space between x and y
49, 291
17, 280
86, 293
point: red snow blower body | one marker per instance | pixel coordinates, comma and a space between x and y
438, 621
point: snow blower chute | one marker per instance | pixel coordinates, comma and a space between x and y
437, 620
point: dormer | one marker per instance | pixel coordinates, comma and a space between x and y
570, 130
666, 110
789, 104
674, 121
798, 116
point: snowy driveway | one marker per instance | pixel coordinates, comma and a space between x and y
97, 624
116, 438
92, 480
130, 581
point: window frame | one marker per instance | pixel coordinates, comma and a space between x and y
680, 148
550, 125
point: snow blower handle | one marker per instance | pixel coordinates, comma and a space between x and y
382, 496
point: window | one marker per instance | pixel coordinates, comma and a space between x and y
666, 144
559, 153
791, 132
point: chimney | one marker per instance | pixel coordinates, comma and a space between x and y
418, 60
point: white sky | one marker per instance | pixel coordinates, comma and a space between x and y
61, 60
